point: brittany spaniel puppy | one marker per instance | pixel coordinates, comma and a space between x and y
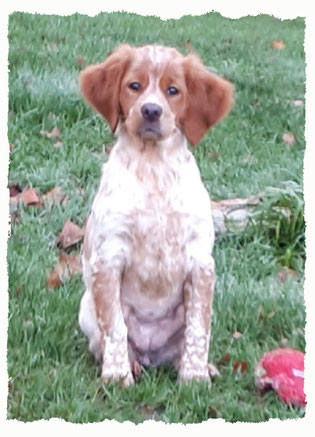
147, 252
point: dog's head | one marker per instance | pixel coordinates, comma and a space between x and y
155, 92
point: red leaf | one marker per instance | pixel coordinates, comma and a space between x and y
240, 366
70, 235
225, 359
30, 198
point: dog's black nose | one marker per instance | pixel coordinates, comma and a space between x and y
151, 111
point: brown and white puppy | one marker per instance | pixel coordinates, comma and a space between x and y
147, 255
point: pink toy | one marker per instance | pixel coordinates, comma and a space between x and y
283, 371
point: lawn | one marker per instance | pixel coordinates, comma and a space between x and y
51, 373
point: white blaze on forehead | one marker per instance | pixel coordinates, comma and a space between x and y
157, 55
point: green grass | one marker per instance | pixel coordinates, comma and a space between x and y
51, 372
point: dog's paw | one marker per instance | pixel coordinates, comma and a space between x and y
187, 375
125, 379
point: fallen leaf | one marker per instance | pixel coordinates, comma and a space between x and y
286, 273
55, 196
68, 266
15, 190
240, 367
30, 198
288, 139
58, 144
237, 335
225, 360
11, 148
55, 133
70, 235
54, 279
278, 45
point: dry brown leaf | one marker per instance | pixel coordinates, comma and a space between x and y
237, 335
15, 190
11, 148
278, 45
68, 266
54, 279
286, 273
58, 144
240, 367
55, 196
70, 235
288, 139
54, 133
30, 198
225, 360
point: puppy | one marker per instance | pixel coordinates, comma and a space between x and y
147, 252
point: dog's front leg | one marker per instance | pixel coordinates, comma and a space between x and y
106, 294
198, 295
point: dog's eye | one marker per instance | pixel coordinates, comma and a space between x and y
135, 86
171, 91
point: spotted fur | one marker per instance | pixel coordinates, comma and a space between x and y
147, 256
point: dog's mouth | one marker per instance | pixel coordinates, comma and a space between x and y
150, 131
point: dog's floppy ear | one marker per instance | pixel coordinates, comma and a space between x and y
209, 99
100, 84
